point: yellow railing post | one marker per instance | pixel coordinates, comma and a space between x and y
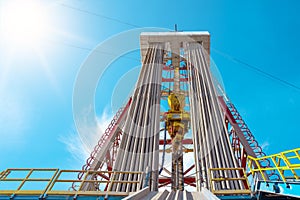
25, 179
111, 181
4, 174
278, 169
51, 180
54, 180
84, 180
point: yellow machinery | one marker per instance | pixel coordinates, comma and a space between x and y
177, 119
177, 124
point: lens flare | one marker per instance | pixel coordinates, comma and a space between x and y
23, 22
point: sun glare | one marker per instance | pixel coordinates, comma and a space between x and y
23, 22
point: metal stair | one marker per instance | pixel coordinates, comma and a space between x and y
257, 149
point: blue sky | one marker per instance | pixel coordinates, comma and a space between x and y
37, 77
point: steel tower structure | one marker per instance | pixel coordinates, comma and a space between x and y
176, 94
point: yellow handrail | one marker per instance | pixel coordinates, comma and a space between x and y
286, 161
5, 177
57, 176
222, 178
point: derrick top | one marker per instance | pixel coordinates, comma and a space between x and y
174, 39
187, 33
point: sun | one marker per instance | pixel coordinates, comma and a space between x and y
23, 22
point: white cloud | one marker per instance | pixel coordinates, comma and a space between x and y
265, 145
81, 143
75, 147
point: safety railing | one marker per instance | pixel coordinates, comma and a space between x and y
229, 181
95, 182
58, 182
286, 163
13, 181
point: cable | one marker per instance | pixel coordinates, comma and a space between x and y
257, 69
266, 74
99, 15
90, 49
